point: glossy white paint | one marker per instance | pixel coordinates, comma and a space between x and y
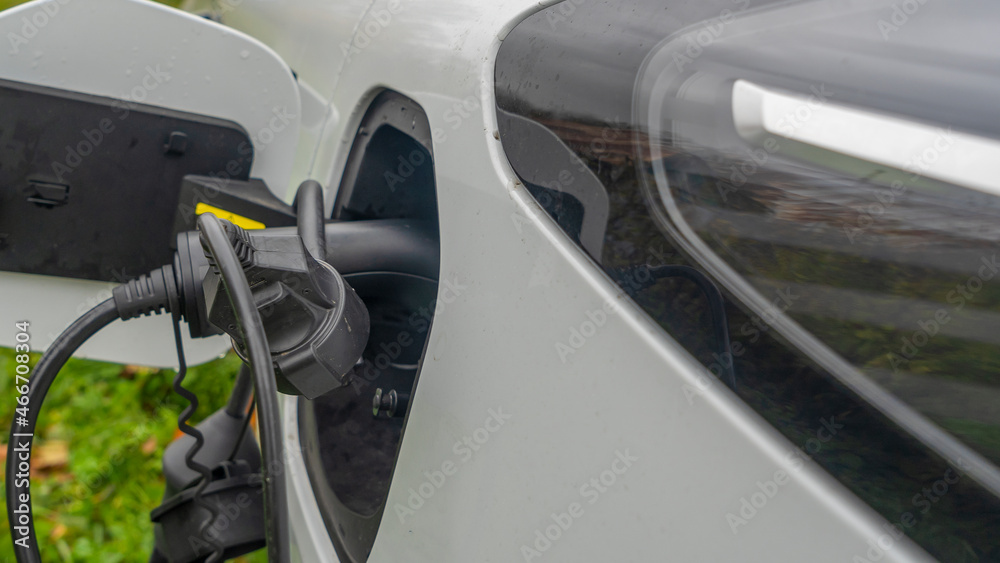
147, 53
519, 288
310, 541
314, 39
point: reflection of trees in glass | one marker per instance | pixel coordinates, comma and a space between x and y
907, 295
798, 241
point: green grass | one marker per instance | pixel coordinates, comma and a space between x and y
105, 427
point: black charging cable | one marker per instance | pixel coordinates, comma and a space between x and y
180, 289
148, 294
17, 481
240, 404
258, 353
151, 294
309, 218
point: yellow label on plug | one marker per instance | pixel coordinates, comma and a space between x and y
238, 220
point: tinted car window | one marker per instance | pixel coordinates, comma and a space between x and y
857, 298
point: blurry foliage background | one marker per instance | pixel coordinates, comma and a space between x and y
96, 458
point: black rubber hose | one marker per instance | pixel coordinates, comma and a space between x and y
240, 404
379, 245
266, 392
309, 218
44, 374
239, 399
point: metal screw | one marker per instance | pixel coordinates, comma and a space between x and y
391, 404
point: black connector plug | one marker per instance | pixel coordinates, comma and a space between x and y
316, 325
179, 286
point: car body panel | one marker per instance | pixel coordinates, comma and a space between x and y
552, 418
572, 414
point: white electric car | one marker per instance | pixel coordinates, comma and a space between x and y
646, 280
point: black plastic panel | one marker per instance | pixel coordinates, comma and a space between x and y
389, 173
89, 185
